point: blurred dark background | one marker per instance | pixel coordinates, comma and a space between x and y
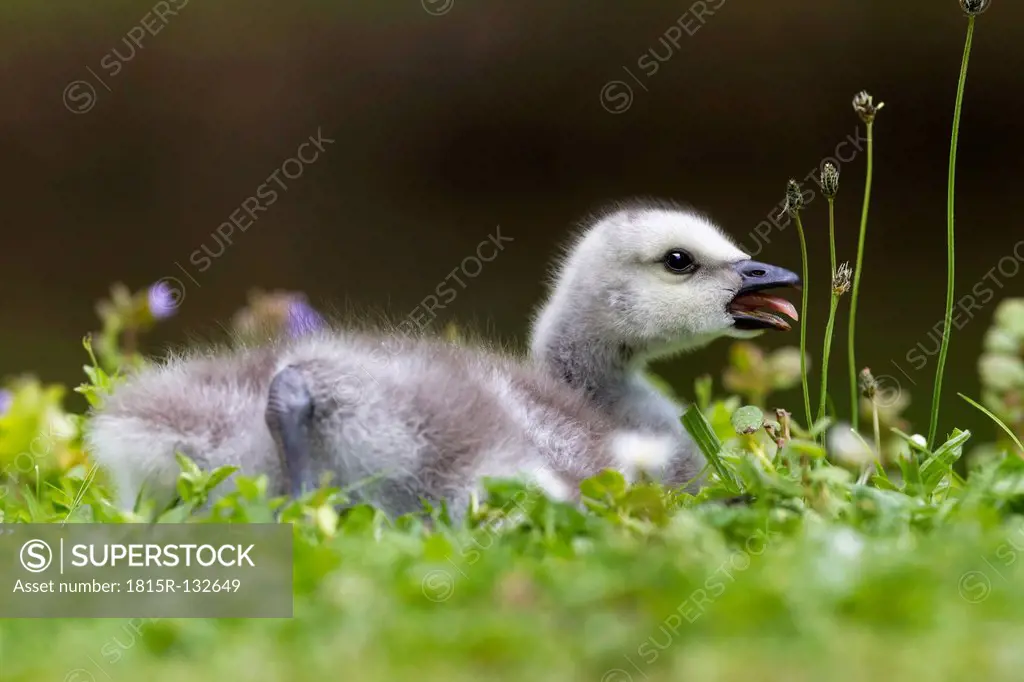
451, 117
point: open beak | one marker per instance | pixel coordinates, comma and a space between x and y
752, 308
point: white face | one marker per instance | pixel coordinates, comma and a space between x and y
665, 277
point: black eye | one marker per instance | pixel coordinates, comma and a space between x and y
679, 262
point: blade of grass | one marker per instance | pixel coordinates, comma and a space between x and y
999, 422
697, 425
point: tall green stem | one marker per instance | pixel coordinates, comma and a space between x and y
852, 341
803, 320
830, 327
950, 238
878, 432
826, 353
832, 232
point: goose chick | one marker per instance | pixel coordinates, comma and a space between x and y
400, 420
642, 282
424, 419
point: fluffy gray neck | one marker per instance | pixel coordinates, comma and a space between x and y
601, 369
608, 371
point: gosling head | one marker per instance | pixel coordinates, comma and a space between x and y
657, 279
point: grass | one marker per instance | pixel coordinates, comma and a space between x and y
988, 413
794, 203
826, 352
947, 329
913, 572
803, 319
857, 271
815, 575
907, 573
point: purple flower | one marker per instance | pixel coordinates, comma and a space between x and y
163, 300
6, 399
302, 318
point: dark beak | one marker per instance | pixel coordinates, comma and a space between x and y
754, 310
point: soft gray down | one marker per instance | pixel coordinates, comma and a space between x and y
406, 420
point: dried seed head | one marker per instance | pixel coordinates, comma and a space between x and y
868, 384
830, 180
864, 105
794, 198
841, 280
785, 419
975, 7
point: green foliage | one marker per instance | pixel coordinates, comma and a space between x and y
748, 420
505, 592
527, 586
